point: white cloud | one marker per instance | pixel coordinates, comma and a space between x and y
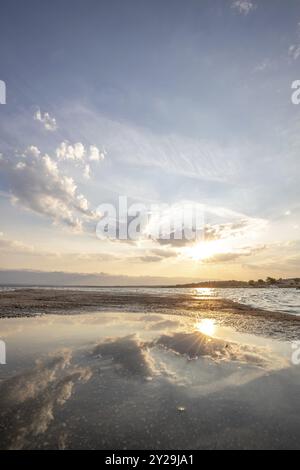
36, 183
79, 152
87, 172
80, 155
96, 154
46, 386
32, 150
48, 121
71, 152
244, 7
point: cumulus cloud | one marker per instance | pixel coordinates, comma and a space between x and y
27, 385
81, 155
79, 152
36, 183
48, 122
30, 399
244, 7
67, 151
129, 353
95, 154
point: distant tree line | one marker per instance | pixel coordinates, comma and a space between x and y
268, 282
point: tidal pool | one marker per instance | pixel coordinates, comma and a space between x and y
144, 381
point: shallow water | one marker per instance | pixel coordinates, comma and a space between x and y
114, 380
273, 299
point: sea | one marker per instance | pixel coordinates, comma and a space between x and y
272, 299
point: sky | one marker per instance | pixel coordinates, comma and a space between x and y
174, 103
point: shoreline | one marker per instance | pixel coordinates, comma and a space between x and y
149, 286
24, 303
20, 300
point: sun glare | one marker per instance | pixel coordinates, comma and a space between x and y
205, 250
207, 327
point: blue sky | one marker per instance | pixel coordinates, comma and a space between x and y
184, 101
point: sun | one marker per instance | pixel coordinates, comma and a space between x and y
205, 250
206, 326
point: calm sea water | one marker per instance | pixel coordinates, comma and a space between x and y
280, 300
273, 299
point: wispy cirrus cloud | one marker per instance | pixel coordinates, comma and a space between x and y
135, 146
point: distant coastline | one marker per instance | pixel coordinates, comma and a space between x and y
260, 283
288, 283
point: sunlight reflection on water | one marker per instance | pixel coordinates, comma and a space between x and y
205, 292
279, 300
206, 326
84, 380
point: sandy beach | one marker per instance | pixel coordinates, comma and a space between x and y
28, 302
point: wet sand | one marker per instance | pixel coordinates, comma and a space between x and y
29, 302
